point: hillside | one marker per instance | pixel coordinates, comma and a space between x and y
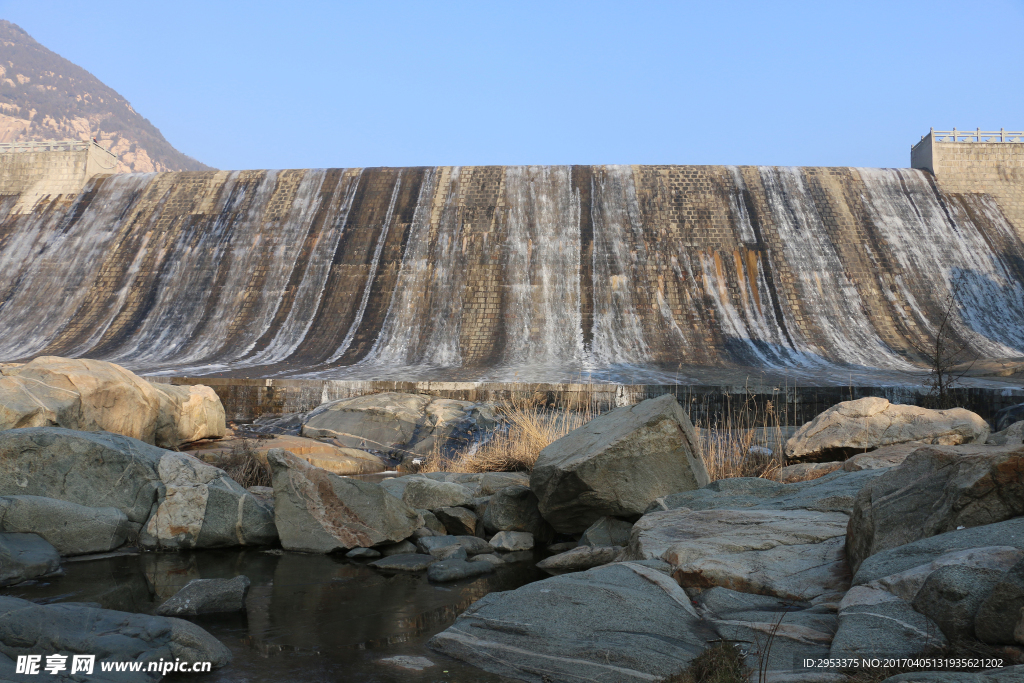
45, 97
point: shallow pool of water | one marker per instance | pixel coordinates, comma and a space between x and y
308, 617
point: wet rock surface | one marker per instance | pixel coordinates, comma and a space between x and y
26, 556
207, 596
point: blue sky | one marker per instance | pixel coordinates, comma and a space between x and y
306, 84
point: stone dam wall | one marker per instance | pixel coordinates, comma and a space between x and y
616, 274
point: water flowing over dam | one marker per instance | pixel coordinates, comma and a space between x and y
617, 273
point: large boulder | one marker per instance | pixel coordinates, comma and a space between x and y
316, 511
172, 499
617, 464
71, 628
26, 556
791, 554
607, 531
1011, 436
514, 508
326, 456
93, 395
420, 492
853, 427
621, 622
482, 483
952, 595
70, 528
999, 614
394, 423
874, 623
936, 489
579, 559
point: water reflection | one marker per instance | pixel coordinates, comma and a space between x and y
308, 617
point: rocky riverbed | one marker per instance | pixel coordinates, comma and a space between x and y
896, 531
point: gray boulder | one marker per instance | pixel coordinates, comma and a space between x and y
472, 544
853, 427
1011, 436
70, 528
178, 501
70, 628
579, 559
620, 622
400, 548
207, 596
881, 458
393, 422
482, 484
607, 531
1000, 613
514, 508
316, 511
617, 464
457, 521
26, 556
407, 563
512, 541
952, 595
493, 559
775, 633
420, 492
451, 552
936, 489
431, 521
362, 554
454, 569
803, 471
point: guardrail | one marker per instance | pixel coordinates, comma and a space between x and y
976, 135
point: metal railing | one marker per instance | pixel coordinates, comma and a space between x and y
977, 135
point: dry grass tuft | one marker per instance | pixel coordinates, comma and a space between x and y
720, 663
249, 468
529, 427
738, 444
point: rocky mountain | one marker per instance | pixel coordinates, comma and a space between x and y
45, 97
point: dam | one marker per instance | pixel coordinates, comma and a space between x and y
615, 274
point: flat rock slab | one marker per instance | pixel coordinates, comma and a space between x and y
420, 492
833, 492
615, 624
70, 528
766, 627
334, 459
792, 554
804, 471
455, 569
472, 544
579, 559
26, 556
413, 562
875, 623
881, 458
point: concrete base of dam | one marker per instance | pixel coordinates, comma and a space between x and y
247, 399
